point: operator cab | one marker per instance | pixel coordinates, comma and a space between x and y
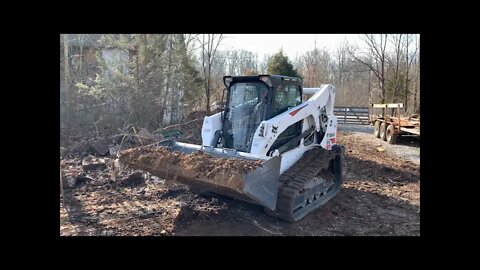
253, 99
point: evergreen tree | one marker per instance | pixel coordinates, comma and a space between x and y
280, 64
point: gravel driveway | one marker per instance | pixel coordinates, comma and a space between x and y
407, 147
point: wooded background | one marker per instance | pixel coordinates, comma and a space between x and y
108, 82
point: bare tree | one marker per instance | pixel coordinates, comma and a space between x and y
315, 66
232, 58
340, 70
417, 79
262, 67
221, 67
409, 58
81, 38
209, 44
394, 63
375, 58
248, 63
312, 67
66, 66
188, 39
341, 61
299, 65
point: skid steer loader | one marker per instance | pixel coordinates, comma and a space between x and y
265, 121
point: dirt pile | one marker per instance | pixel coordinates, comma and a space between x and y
165, 163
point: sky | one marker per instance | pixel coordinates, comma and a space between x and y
292, 44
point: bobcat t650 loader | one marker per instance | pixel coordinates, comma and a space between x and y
265, 120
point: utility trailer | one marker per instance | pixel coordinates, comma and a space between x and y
389, 127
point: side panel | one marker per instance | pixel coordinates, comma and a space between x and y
210, 125
269, 130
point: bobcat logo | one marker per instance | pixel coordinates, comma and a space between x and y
274, 129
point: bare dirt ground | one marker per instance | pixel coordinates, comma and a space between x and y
381, 196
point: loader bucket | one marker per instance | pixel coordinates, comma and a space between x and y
226, 172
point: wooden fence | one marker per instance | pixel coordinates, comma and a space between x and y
352, 115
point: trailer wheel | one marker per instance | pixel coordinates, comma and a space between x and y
383, 131
391, 134
376, 131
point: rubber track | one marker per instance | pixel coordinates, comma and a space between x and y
293, 180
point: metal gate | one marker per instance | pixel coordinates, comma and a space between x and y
352, 115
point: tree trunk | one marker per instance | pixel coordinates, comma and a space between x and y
209, 61
415, 96
371, 101
406, 79
382, 85
416, 103
397, 71
208, 103
169, 66
81, 37
383, 68
173, 97
207, 88
208, 56
67, 75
